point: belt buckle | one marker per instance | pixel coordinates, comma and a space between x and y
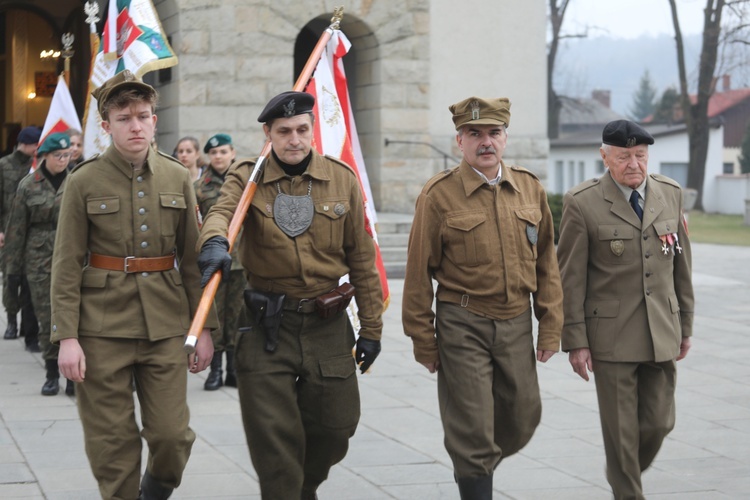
302, 304
126, 264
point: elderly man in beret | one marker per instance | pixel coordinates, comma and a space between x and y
625, 263
305, 229
125, 284
484, 232
16, 294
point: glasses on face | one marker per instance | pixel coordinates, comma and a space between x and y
61, 156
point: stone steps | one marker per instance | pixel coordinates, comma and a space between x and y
393, 238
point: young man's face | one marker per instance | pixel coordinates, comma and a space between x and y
291, 138
132, 128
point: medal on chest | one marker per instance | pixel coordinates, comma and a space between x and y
293, 214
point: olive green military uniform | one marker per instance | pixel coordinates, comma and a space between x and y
300, 404
629, 299
29, 240
229, 301
131, 326
489, 247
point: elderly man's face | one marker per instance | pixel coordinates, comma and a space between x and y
628, 166
291, 138
483, 147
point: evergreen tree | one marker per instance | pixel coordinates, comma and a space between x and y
665, 108
745, 151
643, 99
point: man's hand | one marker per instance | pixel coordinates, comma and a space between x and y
580, 360
71, 360
433, 366
214, 257
684, 347
367, 351
543, 356
204, 352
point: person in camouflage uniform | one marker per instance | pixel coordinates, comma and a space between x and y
30, 238
12, 169
229, 298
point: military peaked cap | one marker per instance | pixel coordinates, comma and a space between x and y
121, 81
478, 111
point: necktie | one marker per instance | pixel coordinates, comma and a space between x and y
634, 199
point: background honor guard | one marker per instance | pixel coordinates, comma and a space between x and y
484, 231
229, 301
124, 286
626, 270
30, 238
304, 230
16, 295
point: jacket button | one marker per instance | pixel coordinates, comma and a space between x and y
144, 244
648, 274
645, 236
648, 292
648, 254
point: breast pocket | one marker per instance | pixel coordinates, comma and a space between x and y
40, 210
172, 206
467, 239
328, 224
527, 227
105, 216
617, 244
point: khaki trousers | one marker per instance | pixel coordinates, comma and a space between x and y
487, 387
637, 411
107, 409
300, 404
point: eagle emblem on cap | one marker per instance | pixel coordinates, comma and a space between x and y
288, 109
630, 143
475, 110
214, 142
63, 143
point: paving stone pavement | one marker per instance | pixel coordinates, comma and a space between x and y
397, 452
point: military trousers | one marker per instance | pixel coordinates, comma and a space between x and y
637, 411
39, 288
488, 388
300, 403
106, 406
230, 307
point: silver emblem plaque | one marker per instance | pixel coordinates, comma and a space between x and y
293, 214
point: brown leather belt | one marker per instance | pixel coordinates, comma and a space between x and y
132, 264
304, 306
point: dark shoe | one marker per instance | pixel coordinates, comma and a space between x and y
12, 331
52, 386
151, 489
231, 378
33, 346
475, 488
70, 388
213, 382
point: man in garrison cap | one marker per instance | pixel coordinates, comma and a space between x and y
484, 232
17, 295
625, 263
125, 285
305, 229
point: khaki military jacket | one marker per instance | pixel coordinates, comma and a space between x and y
310, 264
628, 297
489, 248
207, 190
109, 209
30, 234
13, 168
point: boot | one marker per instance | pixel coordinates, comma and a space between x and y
151, 489
52, 386
475, 488
32, 344
70, 388
213, 382
12, 331
231, 378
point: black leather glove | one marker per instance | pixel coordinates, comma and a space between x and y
214, 257
367, 351
14, 283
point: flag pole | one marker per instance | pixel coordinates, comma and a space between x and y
209, 292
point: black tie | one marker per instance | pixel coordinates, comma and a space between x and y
634, 199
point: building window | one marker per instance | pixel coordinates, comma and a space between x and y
728, 168
676, 171
559, 177
581, 172
599, 166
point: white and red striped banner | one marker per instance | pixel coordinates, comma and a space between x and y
62, 113
335, 131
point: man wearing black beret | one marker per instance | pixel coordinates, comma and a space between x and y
305, 229
625, 263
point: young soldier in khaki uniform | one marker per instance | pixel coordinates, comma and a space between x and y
16, 294
484, 231
228, 301
626, 270
30, 238
304, 230
124, 287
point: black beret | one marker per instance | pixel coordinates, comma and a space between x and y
287, 104
29, 135
625, 134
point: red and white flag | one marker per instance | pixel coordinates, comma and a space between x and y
62, 113
335, 132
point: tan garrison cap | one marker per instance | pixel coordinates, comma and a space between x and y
122, 80
478, 111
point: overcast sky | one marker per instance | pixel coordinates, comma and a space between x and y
632, 18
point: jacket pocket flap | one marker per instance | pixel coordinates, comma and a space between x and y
172, 200
674, 304
106, 205
664, 227
530, 215
94, 279
332, 209
615, 232
465, 222
602, 308
339, 367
